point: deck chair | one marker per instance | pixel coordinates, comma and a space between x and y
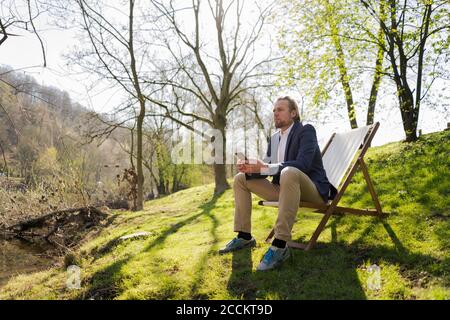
340, 160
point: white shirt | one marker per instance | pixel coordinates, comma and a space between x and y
280, 145
283, 141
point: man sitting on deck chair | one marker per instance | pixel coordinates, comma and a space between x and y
295, 162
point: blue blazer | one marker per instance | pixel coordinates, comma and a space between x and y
303, 153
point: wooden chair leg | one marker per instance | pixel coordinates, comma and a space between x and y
270, 236
319, 229
370, 187
296, 245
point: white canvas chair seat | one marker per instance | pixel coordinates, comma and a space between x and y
337, 157
340, 153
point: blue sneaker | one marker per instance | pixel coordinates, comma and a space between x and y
273, 258
237, 244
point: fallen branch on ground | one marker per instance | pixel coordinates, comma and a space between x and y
63, 228
39, 221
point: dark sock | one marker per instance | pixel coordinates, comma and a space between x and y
279, 243
244, 235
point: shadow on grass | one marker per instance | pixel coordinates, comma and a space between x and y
203, 262
329, 271
333, 226
104, 283
244, 282
241, 283
107, 247
411, 264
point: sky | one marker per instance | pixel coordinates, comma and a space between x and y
24, 53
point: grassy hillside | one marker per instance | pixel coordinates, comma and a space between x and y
180, 261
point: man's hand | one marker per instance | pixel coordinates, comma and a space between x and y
251, 166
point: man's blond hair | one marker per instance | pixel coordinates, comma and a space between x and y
292, 104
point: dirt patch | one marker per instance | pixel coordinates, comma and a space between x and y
42, 242
19, 257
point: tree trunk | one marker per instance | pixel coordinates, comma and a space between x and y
375, 86
5, 166
141, 116
177, 177
161, 187
343, 72
174, 181
132, 149
140, 171
410, 126
407, 112
167, 186
347, 89
220, 178
404, 93
378, 69
220, 170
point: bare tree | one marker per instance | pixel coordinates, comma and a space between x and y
177, 76
17, 16
5, 163
112, 56
213, 66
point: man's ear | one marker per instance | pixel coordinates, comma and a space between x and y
295, 114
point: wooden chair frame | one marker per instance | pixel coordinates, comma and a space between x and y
332, 207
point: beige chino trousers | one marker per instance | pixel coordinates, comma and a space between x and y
295, 186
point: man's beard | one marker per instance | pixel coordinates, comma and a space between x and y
281, 124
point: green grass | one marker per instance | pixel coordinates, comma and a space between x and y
180, 261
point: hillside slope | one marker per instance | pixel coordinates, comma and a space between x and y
179, 259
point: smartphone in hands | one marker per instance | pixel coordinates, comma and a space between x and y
241, 156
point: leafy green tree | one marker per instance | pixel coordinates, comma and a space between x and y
325, 44
416, 45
